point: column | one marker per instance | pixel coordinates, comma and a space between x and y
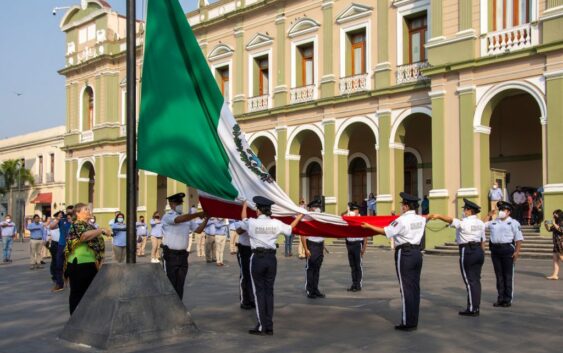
342, 198
281, 174
382, 77
439, 194
436, 18
553, 196
329, 126
294, 176
397, 153
467, 104
328, 80
465, 15
151, 201
384, 165
239, 97
280, 91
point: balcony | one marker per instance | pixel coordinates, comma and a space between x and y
87, 136
50, 178
510, 39
258, 103
302, 94
353, 84
411, 72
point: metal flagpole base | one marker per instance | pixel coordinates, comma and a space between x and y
128, 304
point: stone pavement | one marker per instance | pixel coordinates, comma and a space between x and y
32, 316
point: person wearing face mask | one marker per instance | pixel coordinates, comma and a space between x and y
495, 195
141, 232
470, 236
556, 227
356, 247
63, 224
156, 237
177, 228
92, 221
505, 242
8, 230
210, 245
314, 251
119, 237
36, 240
407, 230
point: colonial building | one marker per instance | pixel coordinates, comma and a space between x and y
41, 153
341, 99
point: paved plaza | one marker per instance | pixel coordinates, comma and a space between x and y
32, 316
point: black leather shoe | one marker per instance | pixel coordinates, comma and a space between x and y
246, 307
352, 289
405, 328
506, 305
469, 313
269, 332
498, 304
312, 296
320, 295
256, 331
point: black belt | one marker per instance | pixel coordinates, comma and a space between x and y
263, 251
173, 251
501, 245
243, 246
407, 246
354, 241
471, 244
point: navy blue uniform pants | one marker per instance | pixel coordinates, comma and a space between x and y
176, 268
503, 263
243, 255
355, 260
53, 249
471, 258
263, 268
313, 267
408, 263
59, 261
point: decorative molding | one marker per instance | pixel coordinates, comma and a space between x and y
466, 89
384, 66
219, 52
482, 129
280, 19
281, 89
553, 188
279, 128
328, 78
383, 112
437, 94
141, 208
553, 74
341, 152
352, 12
552, 13
397, 146
259, 40
330, 200
384, 198
459, 36
292, 157
467, 192
105, 210
303, 26
438, 193
328, 121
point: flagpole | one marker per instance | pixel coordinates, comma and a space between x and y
131, 135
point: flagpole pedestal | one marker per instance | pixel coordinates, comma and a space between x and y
128, 304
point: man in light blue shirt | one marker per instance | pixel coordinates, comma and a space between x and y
36, 230
8, 229
495, 195
119, 233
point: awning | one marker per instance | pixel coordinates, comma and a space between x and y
43, 197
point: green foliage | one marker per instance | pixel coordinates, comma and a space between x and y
15, 175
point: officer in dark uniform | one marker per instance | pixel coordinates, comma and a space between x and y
505, 242
243, 256
263, 232
407, 231
356, 247
470, 236
177, 229
314, 250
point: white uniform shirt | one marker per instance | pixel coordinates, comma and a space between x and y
504, 232
55, 234
469, 229
317, 239
408, 228
263, 231
353, 214
176, 235
244, 238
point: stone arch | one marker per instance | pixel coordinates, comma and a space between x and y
296, 137
87, 90
86, 178
397, 123
341, 138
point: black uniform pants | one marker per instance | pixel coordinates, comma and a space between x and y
263, 267
471, 258
243, 255
176, 268
503, 263
408, 263
313, 267
355, 259
53, 249
80, 276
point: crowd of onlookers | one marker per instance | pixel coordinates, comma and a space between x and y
527, 203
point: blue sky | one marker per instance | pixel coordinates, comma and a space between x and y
32, 51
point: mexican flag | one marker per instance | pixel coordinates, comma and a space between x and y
188, 133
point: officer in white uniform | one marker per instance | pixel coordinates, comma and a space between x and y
176, 227
356, 248
263, 232
243, 256
505, 242
407, 231
314, 250
470, 236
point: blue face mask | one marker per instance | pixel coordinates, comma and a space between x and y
120, 220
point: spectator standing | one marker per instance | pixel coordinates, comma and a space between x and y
36, 230
528, 208
63, 224
221, 230
537, 212
495, 195
141, 232
372, 204
210, 245
156, 237
8, 231
119, 234
425, 206
519, 198
54, 248
556, 228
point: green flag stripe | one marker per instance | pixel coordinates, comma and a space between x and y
180, 106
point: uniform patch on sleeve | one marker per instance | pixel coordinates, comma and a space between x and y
394, 223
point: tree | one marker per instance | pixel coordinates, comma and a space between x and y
15, 176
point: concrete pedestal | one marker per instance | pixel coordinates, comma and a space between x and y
128, 304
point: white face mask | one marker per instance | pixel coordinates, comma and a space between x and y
502, 214
93, 221
120, 220
494, 186
8, 220
179, 209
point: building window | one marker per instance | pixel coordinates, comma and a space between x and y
262, 77
358, 52
510, 13
52, 167
306, 65
88, 109
40, 168
418, 35
223, 81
